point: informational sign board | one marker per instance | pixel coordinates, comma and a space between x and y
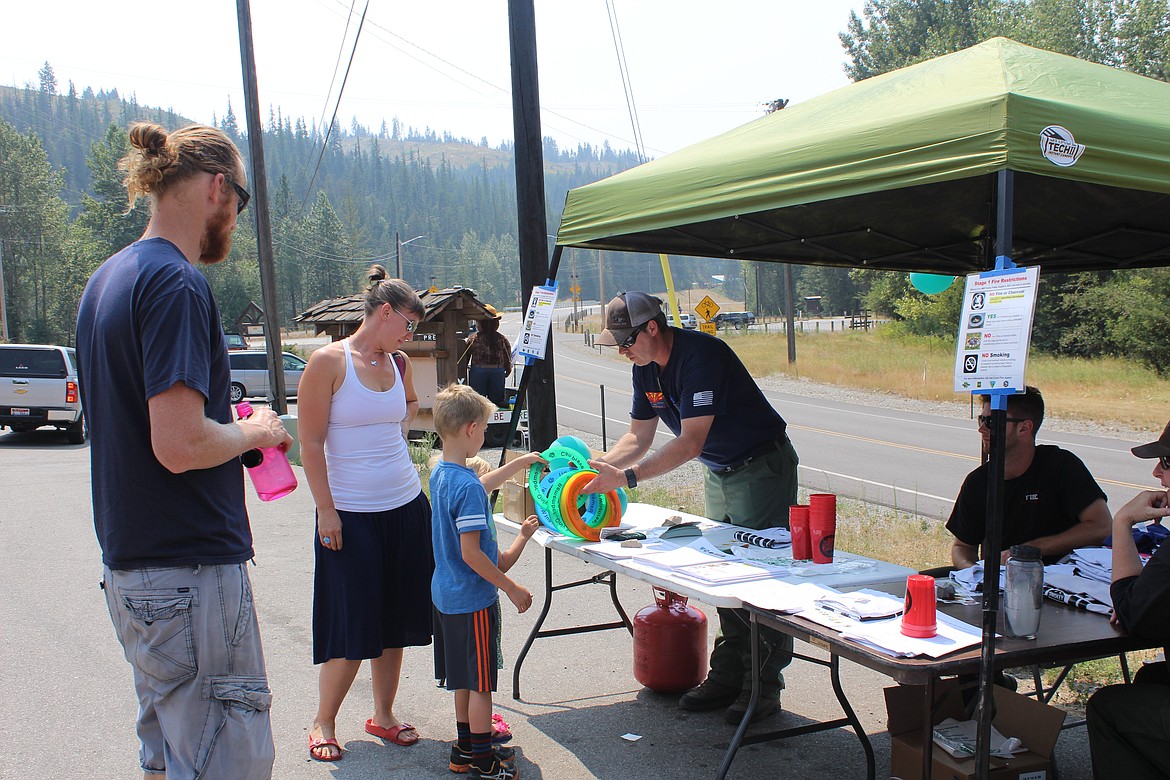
707, 327
995, 330
533, 339
707, 308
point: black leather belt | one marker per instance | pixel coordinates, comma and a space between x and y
763, 449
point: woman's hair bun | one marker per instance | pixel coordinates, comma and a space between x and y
376, 273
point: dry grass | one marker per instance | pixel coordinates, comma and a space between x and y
1103, 390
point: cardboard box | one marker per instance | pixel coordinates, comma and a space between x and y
518, 503
1036, 725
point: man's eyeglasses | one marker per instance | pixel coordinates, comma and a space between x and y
242, 196
985, 420
630, 339
241, 193
1164, 462
411, 325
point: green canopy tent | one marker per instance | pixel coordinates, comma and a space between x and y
996, 151
898, 172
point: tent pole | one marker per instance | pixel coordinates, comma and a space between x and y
1002, 247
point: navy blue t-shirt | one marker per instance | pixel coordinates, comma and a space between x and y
147, 320
704, 377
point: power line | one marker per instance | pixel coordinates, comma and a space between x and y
336, 106
627, 86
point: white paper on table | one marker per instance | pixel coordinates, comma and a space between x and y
698, 551
863, 605
781, 596
887, 636
615, 551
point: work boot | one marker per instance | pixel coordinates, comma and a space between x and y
768, 704
708, 696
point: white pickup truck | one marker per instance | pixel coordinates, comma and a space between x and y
38, 387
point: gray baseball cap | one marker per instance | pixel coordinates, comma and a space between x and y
625, 313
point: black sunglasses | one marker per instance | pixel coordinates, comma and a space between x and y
1164, 461
630, 339
241, 193
985, 420
242, 196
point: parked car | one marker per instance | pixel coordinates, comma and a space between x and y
39, 387
250, 374
235, 341
735, 319
688, 321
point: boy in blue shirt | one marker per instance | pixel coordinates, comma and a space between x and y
469, 570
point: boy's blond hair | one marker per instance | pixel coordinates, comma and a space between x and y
457, 405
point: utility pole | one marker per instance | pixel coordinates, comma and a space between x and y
263, 226
3, 298
397, 256
530, 207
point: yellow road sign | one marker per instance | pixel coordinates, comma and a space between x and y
707, 308
707, 327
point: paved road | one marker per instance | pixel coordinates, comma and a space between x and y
66, 707
915, 462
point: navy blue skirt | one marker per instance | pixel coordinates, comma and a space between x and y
375, 592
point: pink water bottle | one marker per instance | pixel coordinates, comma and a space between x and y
271, 474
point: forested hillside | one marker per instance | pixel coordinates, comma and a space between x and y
333, 213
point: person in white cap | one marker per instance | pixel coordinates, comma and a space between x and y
1129, 725
698, 387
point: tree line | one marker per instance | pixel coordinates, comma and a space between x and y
338, 206
1122, 313
339, 201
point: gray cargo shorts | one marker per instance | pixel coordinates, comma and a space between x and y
191, 635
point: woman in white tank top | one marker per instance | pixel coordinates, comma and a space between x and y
372, 545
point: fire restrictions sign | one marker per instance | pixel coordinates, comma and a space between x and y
995, 330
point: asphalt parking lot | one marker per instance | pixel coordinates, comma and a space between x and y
67, 707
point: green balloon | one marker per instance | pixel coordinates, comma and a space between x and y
931, 284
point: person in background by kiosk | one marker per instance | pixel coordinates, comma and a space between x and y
1129, 725
372, 547
701, 390
1050, 499
491, 358
168, 486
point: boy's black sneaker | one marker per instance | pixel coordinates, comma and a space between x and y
499, 771
461, 760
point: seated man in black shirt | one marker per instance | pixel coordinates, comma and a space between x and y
1050, 500
1129, 725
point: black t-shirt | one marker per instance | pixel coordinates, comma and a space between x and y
1142, 603
704, 377
147, 320
1046, 499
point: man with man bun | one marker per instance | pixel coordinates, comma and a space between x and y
168, 487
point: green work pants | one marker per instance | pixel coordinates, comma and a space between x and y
756, 496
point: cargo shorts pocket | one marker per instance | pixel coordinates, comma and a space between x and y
164, 645
240, 738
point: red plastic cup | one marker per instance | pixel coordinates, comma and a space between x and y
918, 619
798, 525
821, 530
822, 505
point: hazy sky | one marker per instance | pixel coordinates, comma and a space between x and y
697, 67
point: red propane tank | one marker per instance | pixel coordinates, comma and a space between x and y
670, 644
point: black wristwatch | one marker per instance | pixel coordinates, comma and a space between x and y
631, 478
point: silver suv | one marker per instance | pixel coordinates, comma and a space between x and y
39, 387
250, 374
688, 321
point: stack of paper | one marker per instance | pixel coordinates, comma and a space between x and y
723, 572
